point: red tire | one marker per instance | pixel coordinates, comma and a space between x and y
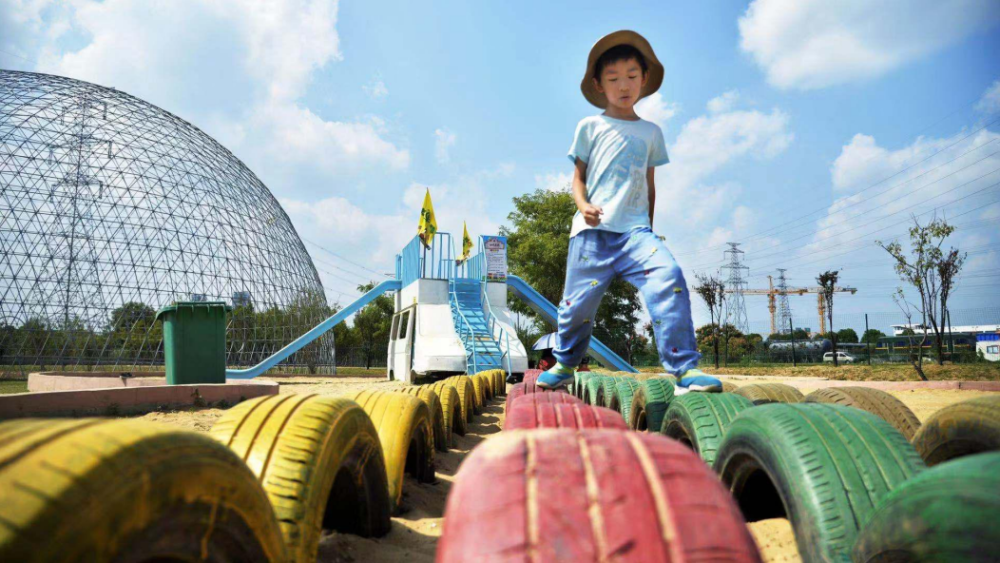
528, 387
551, 398
525, 415
590, 495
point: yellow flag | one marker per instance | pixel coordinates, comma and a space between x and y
428, 224
466, 245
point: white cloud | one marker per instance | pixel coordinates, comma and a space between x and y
238, 69
990, 102
724, 102
656, 109
807, 44
914, 185
376, 89
555, 181
443, 141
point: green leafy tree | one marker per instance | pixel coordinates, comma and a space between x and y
872, 335
537, 247
372, 324
847, 335
932, 272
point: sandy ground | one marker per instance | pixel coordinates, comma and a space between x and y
415, 531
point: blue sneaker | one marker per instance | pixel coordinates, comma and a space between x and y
557, 376
697, 380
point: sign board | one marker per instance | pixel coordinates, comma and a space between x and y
495, 249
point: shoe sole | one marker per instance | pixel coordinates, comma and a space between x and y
562, 383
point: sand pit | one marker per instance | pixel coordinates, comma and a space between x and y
415, 531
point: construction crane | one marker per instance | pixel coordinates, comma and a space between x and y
771, 292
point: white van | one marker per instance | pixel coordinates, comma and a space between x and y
842, 358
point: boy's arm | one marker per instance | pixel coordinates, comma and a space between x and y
591, 213
650, 183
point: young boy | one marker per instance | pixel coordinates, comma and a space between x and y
615, 154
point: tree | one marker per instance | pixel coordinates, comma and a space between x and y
828, 283
871, 336
932, 273
847, 335
373, 323
537, 247
713, 292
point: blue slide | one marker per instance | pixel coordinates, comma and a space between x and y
548, 311
316, 332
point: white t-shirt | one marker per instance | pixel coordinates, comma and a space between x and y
617, 153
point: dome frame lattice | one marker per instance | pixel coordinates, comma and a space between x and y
111, 208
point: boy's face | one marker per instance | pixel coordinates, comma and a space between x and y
621, 83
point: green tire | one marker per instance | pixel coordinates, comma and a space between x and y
610, 389
580, 380
649, 404
622, 400
593, 393
700, 420
824, 467
947, 513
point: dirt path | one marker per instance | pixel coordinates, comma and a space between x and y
415, 531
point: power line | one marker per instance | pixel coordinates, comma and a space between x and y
349, 261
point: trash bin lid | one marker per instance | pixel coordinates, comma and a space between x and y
192, 304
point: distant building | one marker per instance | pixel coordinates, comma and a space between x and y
898, 330
989, 346
241, 299
199, 297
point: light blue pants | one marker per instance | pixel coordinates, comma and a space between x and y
597, 257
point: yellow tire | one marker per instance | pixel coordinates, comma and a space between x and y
430, 398
320, 462
961, 429
451, 408
729, 387
467, 394
501, 379
484, 389
767, 393
103, 490
403, 424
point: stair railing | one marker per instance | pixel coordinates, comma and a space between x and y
464, 329
491, 323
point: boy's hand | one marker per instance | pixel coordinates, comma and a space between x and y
592, 214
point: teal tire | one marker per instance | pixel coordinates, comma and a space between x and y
622, 400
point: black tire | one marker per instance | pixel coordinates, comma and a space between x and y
320, 461
649, 404
128, 490
824, 467
766, 393
875, 401
700, 420
947, 513
965, 428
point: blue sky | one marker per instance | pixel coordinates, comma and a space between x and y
781, 116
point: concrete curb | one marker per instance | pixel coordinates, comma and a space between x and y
130, 400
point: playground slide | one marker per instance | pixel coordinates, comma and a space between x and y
316, 332
548, 311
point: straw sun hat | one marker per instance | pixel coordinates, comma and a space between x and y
623, 37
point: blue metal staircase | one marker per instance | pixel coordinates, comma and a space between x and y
482, 351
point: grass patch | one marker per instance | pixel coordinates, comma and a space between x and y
984, 371
13, 386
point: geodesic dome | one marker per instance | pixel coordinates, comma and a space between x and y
111, 208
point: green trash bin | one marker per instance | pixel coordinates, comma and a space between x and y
194, 341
